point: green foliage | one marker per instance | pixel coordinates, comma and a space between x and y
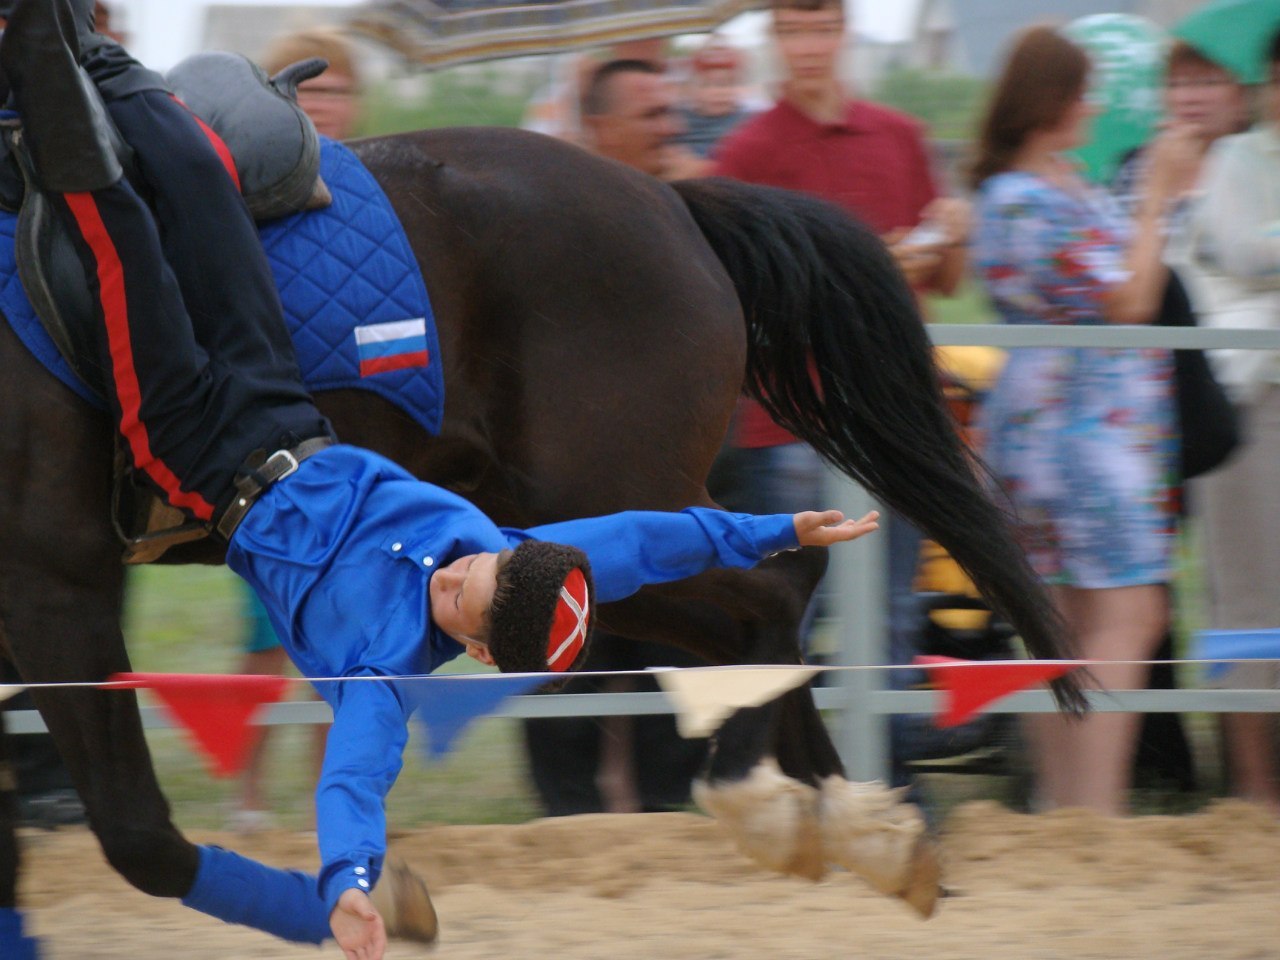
463, 97
948, 104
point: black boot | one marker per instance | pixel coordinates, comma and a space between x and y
64, 123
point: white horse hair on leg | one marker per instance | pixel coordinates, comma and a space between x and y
868, 830
772, 817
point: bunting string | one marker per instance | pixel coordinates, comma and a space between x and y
123, 681
219, 712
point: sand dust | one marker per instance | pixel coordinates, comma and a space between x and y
670, 887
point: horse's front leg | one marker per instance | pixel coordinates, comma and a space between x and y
61, 586
65, 627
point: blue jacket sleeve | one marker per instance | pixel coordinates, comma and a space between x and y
633, 549
362, 759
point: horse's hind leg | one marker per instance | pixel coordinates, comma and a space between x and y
794, 825
766, 762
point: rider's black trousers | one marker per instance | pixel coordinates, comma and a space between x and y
195, 353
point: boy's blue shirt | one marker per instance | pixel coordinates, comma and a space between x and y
341, 554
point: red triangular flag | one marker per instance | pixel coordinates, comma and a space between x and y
217, 710
969, 685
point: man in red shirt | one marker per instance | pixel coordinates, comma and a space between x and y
873, 162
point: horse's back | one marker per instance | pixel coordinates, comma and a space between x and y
588, 330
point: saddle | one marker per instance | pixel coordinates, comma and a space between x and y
277, 155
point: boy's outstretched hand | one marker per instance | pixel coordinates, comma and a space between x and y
823, 528
358, 927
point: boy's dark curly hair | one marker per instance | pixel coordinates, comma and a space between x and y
528, 606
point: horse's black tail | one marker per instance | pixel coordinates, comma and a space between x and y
822, 294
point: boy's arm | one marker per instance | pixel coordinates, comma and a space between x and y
363, 756
630, 550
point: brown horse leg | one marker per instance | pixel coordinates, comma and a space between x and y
762, 780
766, 762
735, 617
748, 616
61, 585
98, 733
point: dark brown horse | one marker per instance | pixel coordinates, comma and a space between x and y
596, 328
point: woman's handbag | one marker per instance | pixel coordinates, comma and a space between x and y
1208, 421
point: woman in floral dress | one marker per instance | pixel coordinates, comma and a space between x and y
1081, 440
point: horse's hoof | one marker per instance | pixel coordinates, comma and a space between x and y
923, 889
402, 899
868, 831
773, 819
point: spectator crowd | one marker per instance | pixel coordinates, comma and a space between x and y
1083, 443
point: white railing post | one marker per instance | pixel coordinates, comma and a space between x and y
858, 575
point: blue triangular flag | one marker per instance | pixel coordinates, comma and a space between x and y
447, 704
1236, 645
13, 945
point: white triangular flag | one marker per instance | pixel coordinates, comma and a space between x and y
705, 697
8, 690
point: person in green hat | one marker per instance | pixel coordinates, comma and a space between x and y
1237, 243
1203, 96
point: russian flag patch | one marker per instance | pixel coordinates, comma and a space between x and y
397, 345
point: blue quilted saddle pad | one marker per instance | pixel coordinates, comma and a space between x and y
353, 297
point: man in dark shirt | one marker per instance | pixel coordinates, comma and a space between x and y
629, 115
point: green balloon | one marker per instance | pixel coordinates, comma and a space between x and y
1128, 71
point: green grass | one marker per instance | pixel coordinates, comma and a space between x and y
969, 305
188, 620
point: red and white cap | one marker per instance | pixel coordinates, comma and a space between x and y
570, 624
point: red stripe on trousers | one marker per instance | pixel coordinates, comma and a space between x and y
219, 145
115, 312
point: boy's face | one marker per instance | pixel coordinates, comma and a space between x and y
461, 595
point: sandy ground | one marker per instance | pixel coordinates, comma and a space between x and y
671, 887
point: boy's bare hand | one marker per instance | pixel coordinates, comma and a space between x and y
823, 528
358, 927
